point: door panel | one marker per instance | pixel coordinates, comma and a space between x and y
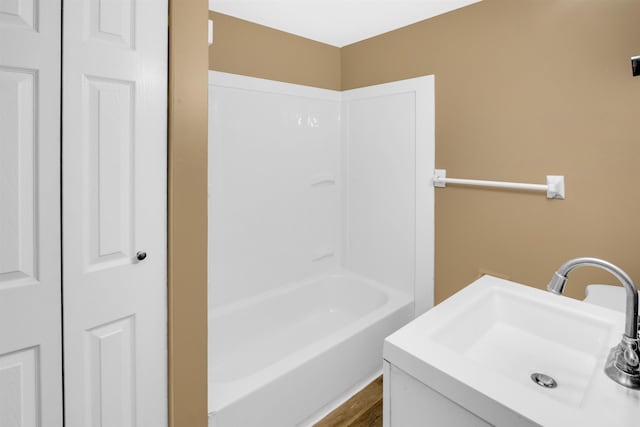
112, 21
111, 373
18, 166
30, 313
18, 388
114, 206
19, 13
108, 175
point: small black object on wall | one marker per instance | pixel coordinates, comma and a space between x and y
635, 65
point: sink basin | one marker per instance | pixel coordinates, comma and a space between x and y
516, 335
480, 348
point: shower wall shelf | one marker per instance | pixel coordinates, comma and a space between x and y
321, 254
554, 186
323, 179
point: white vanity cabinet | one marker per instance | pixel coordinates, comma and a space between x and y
409, 403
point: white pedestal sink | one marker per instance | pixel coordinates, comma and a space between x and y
476, 351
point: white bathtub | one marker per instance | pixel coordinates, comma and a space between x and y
285, 358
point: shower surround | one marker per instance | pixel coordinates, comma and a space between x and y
320, 206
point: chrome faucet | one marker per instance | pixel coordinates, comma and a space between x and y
623, 364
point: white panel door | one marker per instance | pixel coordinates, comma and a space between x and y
114, 208
30, 313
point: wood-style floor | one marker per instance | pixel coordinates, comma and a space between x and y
364, 409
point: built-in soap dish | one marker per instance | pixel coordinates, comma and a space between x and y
323, 179
321, 254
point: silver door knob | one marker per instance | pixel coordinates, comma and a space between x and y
141, 255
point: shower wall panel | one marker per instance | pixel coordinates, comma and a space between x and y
380, 199
274, 185
388, 152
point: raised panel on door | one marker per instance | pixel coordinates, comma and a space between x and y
112, 21
21, 13
30, 288
111, 373
114, 204
19, 388
109, 155
18, 186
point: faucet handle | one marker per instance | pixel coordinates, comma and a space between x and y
631, 353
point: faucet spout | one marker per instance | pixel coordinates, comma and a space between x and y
623, 364
559, 280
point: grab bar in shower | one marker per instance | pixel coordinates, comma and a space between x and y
554, 186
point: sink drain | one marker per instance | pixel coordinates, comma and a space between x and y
544, 380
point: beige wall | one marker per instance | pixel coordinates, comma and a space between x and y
187, 213
524, 89
242, 47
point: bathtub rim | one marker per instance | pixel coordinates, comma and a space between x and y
221, 311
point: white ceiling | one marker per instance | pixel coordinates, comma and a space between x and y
336, 22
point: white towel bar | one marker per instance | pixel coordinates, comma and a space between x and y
554, 186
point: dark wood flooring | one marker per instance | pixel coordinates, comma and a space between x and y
364, 409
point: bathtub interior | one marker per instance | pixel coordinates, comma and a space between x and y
315, 226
